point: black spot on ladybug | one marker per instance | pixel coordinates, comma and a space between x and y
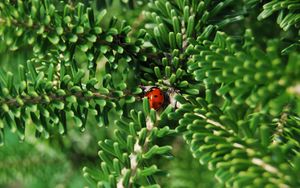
155, 96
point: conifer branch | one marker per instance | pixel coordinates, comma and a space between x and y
228, 91
210, 143
26, 100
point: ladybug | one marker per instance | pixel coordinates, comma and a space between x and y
156, 98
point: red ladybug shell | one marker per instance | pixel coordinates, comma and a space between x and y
156, 98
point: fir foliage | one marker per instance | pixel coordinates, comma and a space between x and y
233, 92
287, 18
